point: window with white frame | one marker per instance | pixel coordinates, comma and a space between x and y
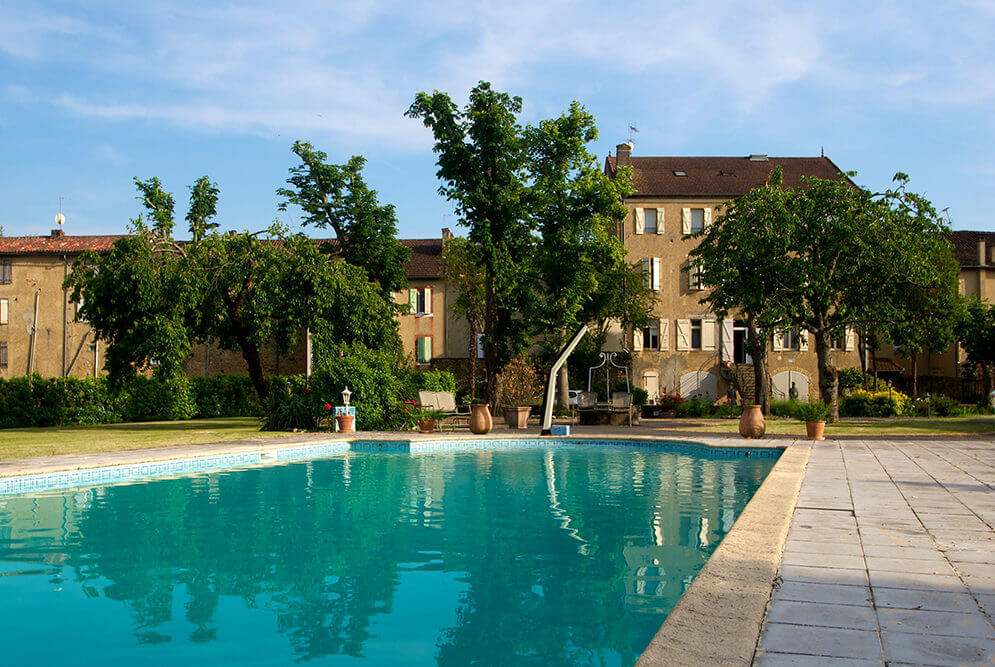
420, 301
695, 271
791, 339
649, 220
696, 340
838, 340
651, 337
697, 220
651, 273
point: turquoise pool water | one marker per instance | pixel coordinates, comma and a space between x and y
571, 554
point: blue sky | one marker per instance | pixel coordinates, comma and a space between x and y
93, 93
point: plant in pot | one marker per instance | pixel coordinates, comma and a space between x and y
814, 415
518, 389
425, 416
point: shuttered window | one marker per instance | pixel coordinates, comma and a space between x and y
423, 349
4, 311
420, 301
3, 355
6, 271
649, 221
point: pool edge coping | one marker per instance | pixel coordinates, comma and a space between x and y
719, 618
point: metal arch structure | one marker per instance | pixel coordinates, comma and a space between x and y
608, 362
561, 358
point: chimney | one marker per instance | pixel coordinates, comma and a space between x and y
623, 152
447, 234
981, 252
56, 233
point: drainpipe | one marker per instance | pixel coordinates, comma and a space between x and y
65, 312
34, 334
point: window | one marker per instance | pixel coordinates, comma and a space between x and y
651, 337
695, 334
694, 276
6, 271
480, 346
651, 273
697, 220
3, 355
792, 339
423, 349
420, 301
649, 220
838, 340
4, 311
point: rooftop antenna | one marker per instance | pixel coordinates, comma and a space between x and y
632, 128
59, 218
822, 151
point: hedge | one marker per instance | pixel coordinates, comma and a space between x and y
65, 401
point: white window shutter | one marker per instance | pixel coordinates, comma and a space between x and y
727, 340
778, 341
708, 334
803, 340
428, 300
707, 217
659, 221
685, 221
637, 339
412, 301
664, 334
683, 334
850, 342
656, 274
4, 311
640, 221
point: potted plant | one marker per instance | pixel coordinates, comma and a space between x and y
424, 415
814, 415
518, 390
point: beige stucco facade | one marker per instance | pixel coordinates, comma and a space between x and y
41, 333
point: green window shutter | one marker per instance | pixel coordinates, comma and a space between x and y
412, 301
423, 349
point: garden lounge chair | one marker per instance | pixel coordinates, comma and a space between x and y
446, 402
622, 402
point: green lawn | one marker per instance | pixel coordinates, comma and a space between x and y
47, 441
966, 425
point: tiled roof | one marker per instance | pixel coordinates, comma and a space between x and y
55, 245
718, 176
425, 262
966, 247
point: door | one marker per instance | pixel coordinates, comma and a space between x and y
740, 335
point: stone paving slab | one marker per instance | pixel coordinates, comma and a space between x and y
890, 557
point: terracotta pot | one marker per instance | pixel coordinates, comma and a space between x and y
815, 430
480, 419
426, 425
751, 423
345, 423
517, 417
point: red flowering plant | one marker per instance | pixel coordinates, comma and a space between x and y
668, 402
412, 412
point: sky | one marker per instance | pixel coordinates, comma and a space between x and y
94, 93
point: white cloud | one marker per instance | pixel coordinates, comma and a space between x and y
350, 69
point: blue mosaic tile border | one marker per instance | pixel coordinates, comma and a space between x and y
132, 472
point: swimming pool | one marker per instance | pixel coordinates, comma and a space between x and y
564, 553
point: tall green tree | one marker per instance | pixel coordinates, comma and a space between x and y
336, 197
464, 272
575, 208
742, 257
482, 165
976, 332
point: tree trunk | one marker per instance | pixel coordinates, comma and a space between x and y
862, 351
915, 374
563, 388
761, 381
250, 352
472, 348
490, 338
828, 382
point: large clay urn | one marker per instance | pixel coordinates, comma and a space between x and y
751, 424
480, 419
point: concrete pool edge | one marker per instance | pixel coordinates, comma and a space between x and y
719, 618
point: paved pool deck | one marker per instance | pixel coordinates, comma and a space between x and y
853, 552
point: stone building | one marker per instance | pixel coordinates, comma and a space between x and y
688, 350
40, 331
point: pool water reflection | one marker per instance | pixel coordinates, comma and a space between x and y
562, 555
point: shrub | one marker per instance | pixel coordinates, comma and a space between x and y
693, 407
224, 396
939, 406
849, 379
727, 411
639, 397
812, 412
157, 399
433, 380
883, 403
519, 382
668, 402
784, 407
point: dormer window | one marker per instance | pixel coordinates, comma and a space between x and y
677, 172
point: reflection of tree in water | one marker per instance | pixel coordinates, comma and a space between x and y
240, 535
604, 533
